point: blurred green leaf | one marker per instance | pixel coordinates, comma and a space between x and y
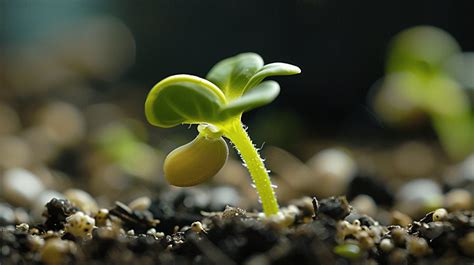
422, 49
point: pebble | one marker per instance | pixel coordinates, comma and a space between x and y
41, 200
398, 256
365, 240
20, 186
222, 196
197, 227
101, 217
458, 199
56, 251
440, 214
82, 200
14, 152
334, 169
386, 245
398, 235
467, 244
79, 224
63, 121
399, 218
36, 242
8, 119
414, 159
364, 204
41, 143
140, 203
7, 215
419, 196
417, 246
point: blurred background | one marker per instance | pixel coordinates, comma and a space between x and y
74, 76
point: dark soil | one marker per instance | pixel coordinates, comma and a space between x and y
317, 235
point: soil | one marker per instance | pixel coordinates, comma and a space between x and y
326, 231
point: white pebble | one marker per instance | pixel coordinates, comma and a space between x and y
334, 170
83, 200
79, 224
364, 204
140, 204
20, 186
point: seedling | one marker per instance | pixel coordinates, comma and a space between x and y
216, 105
419, 77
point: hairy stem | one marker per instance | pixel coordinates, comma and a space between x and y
249, 154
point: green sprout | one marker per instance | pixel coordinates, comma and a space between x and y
233, 86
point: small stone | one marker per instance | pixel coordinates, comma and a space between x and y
56, 251
79, 224
467, 244
386, 245
399, 236
42, 199
419, 196
7, 215
151, 231
334, 169
222, 196
364, 204
344, 229
366, 242
458, 199
140, 204
64, 122
431, 230
21, 216
197, 227
417, 246
57, 210
20, 186
101, 217
23, 227
399, 218
14, 152
440, 214
35, 242
233, 212
82, 200
398, 256
41, 144
336, 208
414, 159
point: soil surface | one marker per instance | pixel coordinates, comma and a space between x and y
309, 231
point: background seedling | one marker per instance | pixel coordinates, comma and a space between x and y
423, 74
233, 86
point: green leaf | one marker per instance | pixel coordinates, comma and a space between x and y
271, 69
183, 99
423, 50
257, 96
232, 74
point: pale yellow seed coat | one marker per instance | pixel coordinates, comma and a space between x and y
195, 162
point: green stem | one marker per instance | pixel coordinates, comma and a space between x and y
239, 137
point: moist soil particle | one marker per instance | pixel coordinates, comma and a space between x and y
330, 233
